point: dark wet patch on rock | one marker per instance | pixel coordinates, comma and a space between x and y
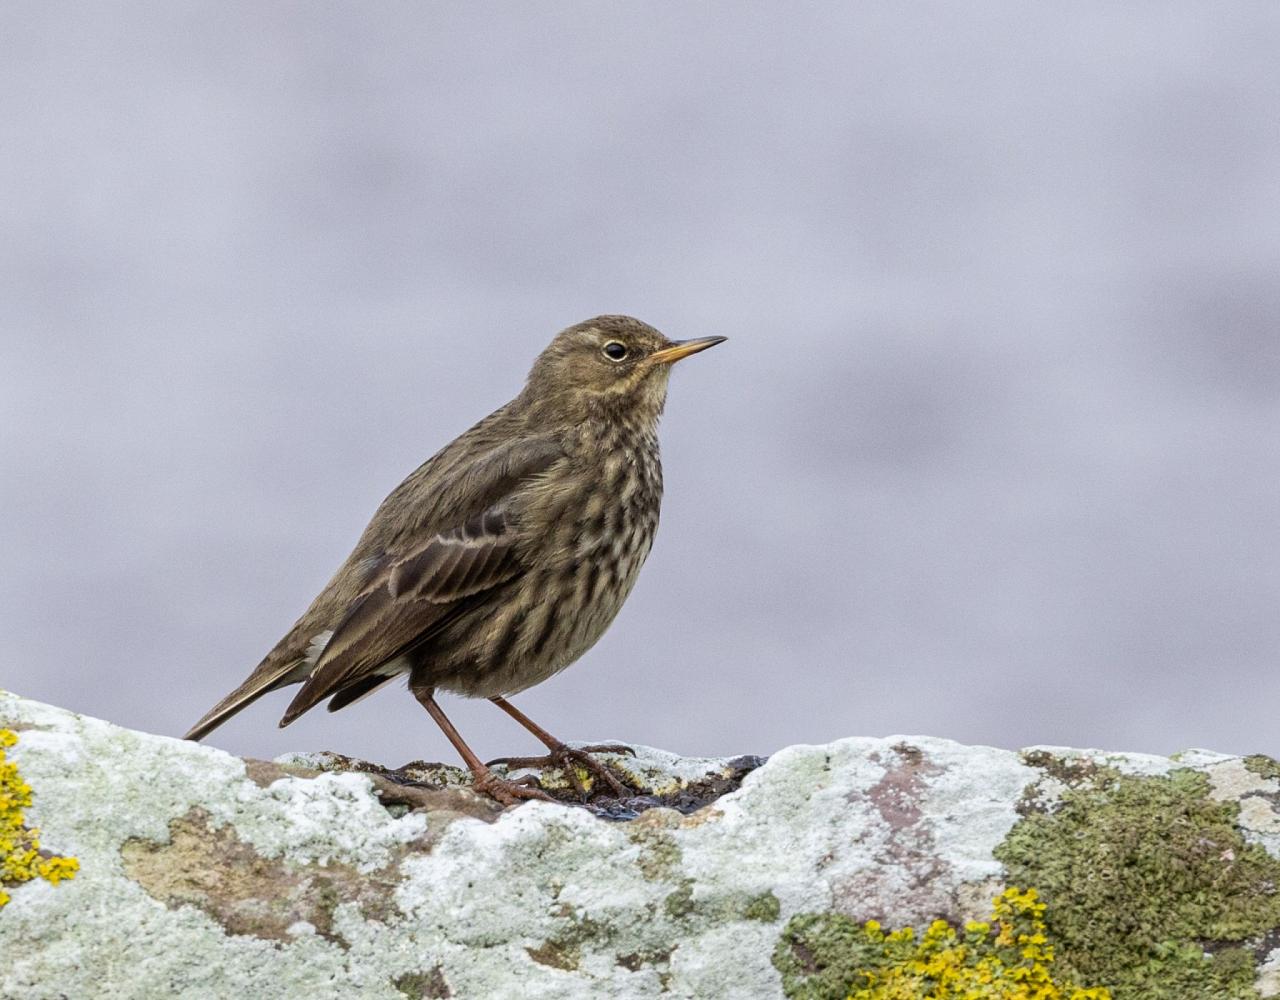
683, 796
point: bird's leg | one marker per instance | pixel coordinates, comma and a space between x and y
562, 755
483, 780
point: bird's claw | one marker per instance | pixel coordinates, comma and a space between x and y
568, 759
506, 791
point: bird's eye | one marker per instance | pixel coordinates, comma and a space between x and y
615, 351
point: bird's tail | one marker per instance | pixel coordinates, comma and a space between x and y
262, 680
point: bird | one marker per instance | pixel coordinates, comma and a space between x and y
501, 559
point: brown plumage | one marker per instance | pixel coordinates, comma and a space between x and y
505, 556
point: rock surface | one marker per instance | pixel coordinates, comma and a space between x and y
205, 875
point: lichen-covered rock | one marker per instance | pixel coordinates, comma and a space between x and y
204, 875
1008, 957
21, 856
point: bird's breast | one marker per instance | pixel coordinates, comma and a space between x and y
605, 533
594, 527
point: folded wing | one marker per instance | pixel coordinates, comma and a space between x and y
424, 585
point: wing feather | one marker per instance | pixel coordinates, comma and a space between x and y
414, 593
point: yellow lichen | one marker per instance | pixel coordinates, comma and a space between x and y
1009, 958
831, 957
21, 859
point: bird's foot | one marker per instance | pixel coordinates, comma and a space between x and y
570, 759
506, 791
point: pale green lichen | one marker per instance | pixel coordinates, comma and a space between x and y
679, 903
832, 957
764, 907
21, 858
1152, 888
660, 855
1263, 766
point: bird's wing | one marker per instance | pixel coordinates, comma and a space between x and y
422, 584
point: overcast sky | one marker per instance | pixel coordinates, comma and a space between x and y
993, 451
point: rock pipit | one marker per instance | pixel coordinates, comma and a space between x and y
504, 557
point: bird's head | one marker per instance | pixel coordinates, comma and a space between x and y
610, 363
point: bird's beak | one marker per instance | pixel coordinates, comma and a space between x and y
682, 349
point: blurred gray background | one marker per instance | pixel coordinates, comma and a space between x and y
993, 452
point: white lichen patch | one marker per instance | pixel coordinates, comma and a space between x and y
1268, 982
1200, 758
332, 817
972, 802
80, 763
1258, 815
1230, 778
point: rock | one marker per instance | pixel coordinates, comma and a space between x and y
205, 875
